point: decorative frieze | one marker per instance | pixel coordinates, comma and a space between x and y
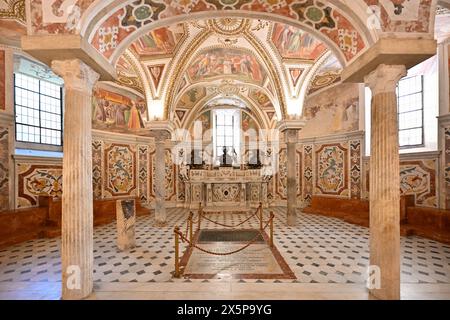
4, 168
120, 166
355, 169
143, 153
307, 173
97, 174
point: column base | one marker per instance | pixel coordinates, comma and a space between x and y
160, 224
292, 219
385, 294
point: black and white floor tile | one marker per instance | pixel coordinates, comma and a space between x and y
318, 250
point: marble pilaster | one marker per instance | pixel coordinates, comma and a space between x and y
77, 200
161, 136
291, 137
384, 181
291, 128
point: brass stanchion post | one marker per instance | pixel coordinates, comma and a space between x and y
177, 244
191, 237
260, 216
200, 213
271, 228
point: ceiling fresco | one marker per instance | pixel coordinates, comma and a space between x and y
162, 41
227, 62
257, 59
295, 43
126, 18
329, 73
127, 76
196, 52
189, 99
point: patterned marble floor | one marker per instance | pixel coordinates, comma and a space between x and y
319, 250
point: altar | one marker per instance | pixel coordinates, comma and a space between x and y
226, 188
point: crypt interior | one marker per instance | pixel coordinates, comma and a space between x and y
212, 149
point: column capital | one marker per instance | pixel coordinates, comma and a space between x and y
291, 135
160, 130
295, 125
76, 74
385, 78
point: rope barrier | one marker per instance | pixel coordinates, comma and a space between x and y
202, 215
189, 228
184, 239
230, 226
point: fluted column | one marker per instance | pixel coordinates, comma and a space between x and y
291, 137
160, 176
77, 216
384, 181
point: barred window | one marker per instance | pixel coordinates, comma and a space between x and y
410, 111
38, 110
224, 130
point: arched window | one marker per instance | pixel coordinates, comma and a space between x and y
226, 133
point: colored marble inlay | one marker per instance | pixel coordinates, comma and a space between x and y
419, 178
355, 169
308, 173
36, 180
97, 176
2, 81
4, 169
120, 166
143, 173
331, 170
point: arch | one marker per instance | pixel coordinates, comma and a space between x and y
249, 86
178, 73
310, 76
330, 21
141, 74
195, 111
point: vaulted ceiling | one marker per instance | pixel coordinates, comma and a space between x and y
179, 55
269, 66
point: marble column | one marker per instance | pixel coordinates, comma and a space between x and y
77, 201
384, 182
291, 137
160, 176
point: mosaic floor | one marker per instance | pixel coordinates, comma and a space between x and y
319, 250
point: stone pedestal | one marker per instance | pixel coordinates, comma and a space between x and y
126, 220
77, 202
384, 181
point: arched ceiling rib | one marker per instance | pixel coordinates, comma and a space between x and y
273, 58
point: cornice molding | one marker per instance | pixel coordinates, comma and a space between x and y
355, 135
120, 137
